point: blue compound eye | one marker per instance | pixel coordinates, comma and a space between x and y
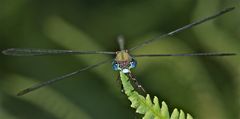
133, 64
115, 65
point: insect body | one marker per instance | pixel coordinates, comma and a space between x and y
123, 62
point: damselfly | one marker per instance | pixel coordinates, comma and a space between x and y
124, 61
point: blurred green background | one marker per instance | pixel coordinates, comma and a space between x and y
206, 87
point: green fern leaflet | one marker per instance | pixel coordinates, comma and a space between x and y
144, 105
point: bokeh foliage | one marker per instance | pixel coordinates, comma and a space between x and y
207, 88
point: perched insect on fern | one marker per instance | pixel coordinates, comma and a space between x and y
123, 62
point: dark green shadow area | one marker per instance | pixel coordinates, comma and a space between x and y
23, 109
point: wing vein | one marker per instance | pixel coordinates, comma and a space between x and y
39, 85
187, 54
42, 52
183, 28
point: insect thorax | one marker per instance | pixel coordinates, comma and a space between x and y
123, 56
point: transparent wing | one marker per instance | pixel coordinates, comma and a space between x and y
39, 85
183, 28
41, 52
186, 54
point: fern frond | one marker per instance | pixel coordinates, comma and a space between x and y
144, 105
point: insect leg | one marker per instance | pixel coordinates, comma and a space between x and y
131, 76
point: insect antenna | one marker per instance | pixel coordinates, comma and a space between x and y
43, 52
39, 85
183, 28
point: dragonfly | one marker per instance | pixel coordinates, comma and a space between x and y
124, 61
